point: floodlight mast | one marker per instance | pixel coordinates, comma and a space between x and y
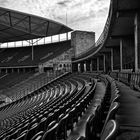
32, 45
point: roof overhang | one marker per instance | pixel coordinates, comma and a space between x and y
18, 26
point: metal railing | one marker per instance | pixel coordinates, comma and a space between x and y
130, 78
102, 37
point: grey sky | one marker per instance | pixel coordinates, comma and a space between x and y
88, 15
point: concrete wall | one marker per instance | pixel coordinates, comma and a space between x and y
82, 41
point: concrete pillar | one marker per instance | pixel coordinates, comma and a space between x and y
79, 67
116, 58
104, 59
108, 61
18, 70
85, 67
121, 47
137, 41
91, 65
97, 64
111, 59
6, 70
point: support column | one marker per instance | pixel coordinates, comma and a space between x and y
104, 59
85, 67
121, 45
97, 64
79, 67
91, 65
137, 41
6, 70
18, 70
32, 50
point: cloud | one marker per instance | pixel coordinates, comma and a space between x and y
89, 15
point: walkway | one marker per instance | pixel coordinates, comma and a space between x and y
128, 114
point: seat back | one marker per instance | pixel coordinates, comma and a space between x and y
38, 136
22, 136
42, 124
51, 133
62, 128
109, 132
90, 133
32, 131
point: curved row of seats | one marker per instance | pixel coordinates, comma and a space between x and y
123, 118
109, 129
46, 116
98, 123
29, 103
96, 120
27, 85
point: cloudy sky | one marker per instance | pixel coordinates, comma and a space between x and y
88, 15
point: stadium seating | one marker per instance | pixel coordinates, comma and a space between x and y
54, 110
30, 109
22, 56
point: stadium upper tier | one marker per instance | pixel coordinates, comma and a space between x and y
22, 56
17, 26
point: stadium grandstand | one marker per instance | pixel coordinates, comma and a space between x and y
57, 83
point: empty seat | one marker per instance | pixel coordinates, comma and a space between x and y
90, 133
38, 136
51, 133
32, 131
62, 128
109, 132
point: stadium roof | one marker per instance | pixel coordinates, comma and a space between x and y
18, 26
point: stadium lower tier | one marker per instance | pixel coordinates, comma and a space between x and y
82, 106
